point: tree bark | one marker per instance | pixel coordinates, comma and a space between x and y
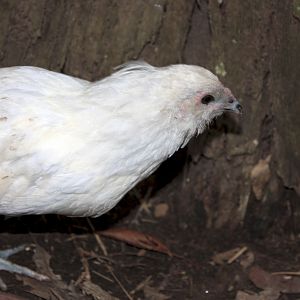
245, 173
244, 168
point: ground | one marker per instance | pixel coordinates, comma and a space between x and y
199, 267
202, 264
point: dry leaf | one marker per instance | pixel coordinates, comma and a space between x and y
137, 239
244, 296
152, 293
41, 259
264, 295
264, 280
41, 289
95, 291
8, 296
54, 289
247, 260
221, 258
161, 210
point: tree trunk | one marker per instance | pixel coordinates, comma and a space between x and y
247, 170
243, 168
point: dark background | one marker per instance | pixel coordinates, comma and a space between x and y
238, 183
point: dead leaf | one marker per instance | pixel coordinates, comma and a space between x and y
152, 293
264, 280
245, 296
8, 296
141, 285
264, 295
95, 291
44, 290
41, 259
54, 289
224, 257
161, 210
137, 239
247, 260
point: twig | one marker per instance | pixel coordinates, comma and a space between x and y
97, 237
119, 283
85, 264
141, 285
286, 273
101, 258
86, 274
102, 276
237, 255
77, 237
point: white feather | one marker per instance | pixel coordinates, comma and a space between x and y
73, 147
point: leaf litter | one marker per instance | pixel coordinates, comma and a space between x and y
55, 288
137, 239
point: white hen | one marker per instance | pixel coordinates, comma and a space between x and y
73, 147
69, 146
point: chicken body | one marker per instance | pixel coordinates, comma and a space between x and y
74, 147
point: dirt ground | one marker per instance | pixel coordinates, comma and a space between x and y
200, 266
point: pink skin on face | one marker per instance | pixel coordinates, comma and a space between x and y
217, 105
187, 107
199, 97
228, 93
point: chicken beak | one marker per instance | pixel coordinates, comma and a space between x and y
236, 107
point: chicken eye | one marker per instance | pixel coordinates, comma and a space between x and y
208, 98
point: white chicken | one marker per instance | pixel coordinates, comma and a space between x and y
74, 147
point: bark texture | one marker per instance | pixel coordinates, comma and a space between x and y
242, 171
251, 171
